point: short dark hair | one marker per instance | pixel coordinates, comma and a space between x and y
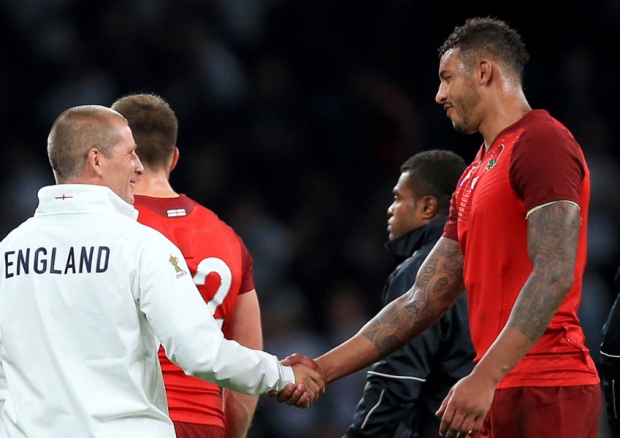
154, 126
488, 37
436, 173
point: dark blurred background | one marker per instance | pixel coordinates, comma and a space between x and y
294, 119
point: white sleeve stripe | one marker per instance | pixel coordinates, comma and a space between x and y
609, 355
549, 203
391, 376
373, 409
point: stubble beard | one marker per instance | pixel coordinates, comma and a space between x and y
464, 107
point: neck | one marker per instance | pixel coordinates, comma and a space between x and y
505, 111
156, 186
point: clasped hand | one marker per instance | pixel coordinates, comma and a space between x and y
309, 382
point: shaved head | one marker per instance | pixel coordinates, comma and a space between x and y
74, 133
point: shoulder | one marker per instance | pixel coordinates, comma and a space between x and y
22, 230
210, 219
209, 216
142, 236
541, 131
546, 153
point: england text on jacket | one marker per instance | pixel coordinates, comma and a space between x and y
54, 261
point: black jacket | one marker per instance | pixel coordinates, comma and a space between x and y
610, 363
404, 390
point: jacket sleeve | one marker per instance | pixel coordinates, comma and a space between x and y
394, 383
610, 362
4, 388
190, 336
393, 386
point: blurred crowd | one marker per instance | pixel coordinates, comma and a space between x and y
294, 119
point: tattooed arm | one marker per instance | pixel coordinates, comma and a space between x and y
438, 283
552, 235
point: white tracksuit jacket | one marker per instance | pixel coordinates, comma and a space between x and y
86, 295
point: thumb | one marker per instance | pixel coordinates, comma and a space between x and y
292, 359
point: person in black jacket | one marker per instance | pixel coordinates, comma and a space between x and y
610, 362
404, 390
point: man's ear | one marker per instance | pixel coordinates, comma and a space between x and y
94, 161
485, 71
175, 159
429, 207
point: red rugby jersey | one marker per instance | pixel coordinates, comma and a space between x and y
533, 162
222, 269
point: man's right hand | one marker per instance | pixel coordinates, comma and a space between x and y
309, 382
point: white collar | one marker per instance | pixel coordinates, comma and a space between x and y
80, 198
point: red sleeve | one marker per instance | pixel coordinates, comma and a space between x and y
547, 165
247, 280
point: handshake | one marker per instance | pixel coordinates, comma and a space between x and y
309, 383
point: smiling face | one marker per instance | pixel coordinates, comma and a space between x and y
120, 165
458, 93
406, 212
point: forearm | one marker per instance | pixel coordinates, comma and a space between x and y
507, 350
350, 356
437, 285
238, 413
400, 321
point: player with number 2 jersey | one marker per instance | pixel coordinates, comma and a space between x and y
222, 269
219, 263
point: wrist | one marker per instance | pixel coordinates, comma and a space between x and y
287, 376
492, 373
324, 369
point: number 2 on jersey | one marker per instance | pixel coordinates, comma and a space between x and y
204, 268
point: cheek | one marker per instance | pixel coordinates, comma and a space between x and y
412, 215
129, 167
402, 215
397, 210
456, 98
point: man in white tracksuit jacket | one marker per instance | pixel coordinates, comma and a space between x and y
87, 294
